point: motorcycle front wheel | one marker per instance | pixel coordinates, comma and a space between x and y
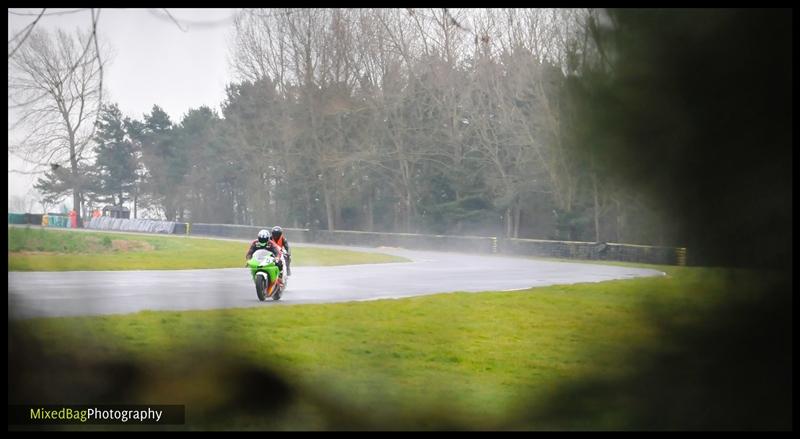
261, 288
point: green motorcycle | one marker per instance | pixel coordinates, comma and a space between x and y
269, 279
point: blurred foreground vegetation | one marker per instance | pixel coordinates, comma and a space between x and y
496, 360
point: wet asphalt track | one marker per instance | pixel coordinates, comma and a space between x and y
50, 294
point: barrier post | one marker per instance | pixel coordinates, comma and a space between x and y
680, 256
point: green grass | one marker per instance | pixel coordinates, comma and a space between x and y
36, 249
477, 357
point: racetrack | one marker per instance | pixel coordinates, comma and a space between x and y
51, 294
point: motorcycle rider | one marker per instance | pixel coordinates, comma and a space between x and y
264, 242
271, 241
280, 240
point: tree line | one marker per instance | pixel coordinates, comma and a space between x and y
426, 121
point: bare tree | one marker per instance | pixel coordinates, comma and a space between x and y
16, 204
260, 45
55, 89
375, 105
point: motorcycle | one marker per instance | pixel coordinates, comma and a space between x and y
269, 279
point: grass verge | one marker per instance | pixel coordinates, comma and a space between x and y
472, 359
36, 249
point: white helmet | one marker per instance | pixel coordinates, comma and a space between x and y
263, 236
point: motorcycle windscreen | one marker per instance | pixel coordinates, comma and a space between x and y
261, 256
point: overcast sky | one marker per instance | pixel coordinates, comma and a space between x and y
154, 61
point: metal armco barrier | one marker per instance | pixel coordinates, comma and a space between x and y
16, 218
607, 251
131, 225
480, 244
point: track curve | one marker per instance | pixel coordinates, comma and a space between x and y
51, 294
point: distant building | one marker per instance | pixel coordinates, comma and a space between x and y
117, 212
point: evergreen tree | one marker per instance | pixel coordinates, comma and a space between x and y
115, 167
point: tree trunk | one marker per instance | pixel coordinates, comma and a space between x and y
272, 201
369, 215
396, 218
619, 222
596, 209
241, 206
308, 209
509, 223
407, 219
265, 186
169, 208
337, 209
517, 214
328, 207
73, 161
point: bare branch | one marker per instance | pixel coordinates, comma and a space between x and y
29, 28
173, 19
49, 13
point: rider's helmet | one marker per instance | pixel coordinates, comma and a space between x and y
277, 232
263, 236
